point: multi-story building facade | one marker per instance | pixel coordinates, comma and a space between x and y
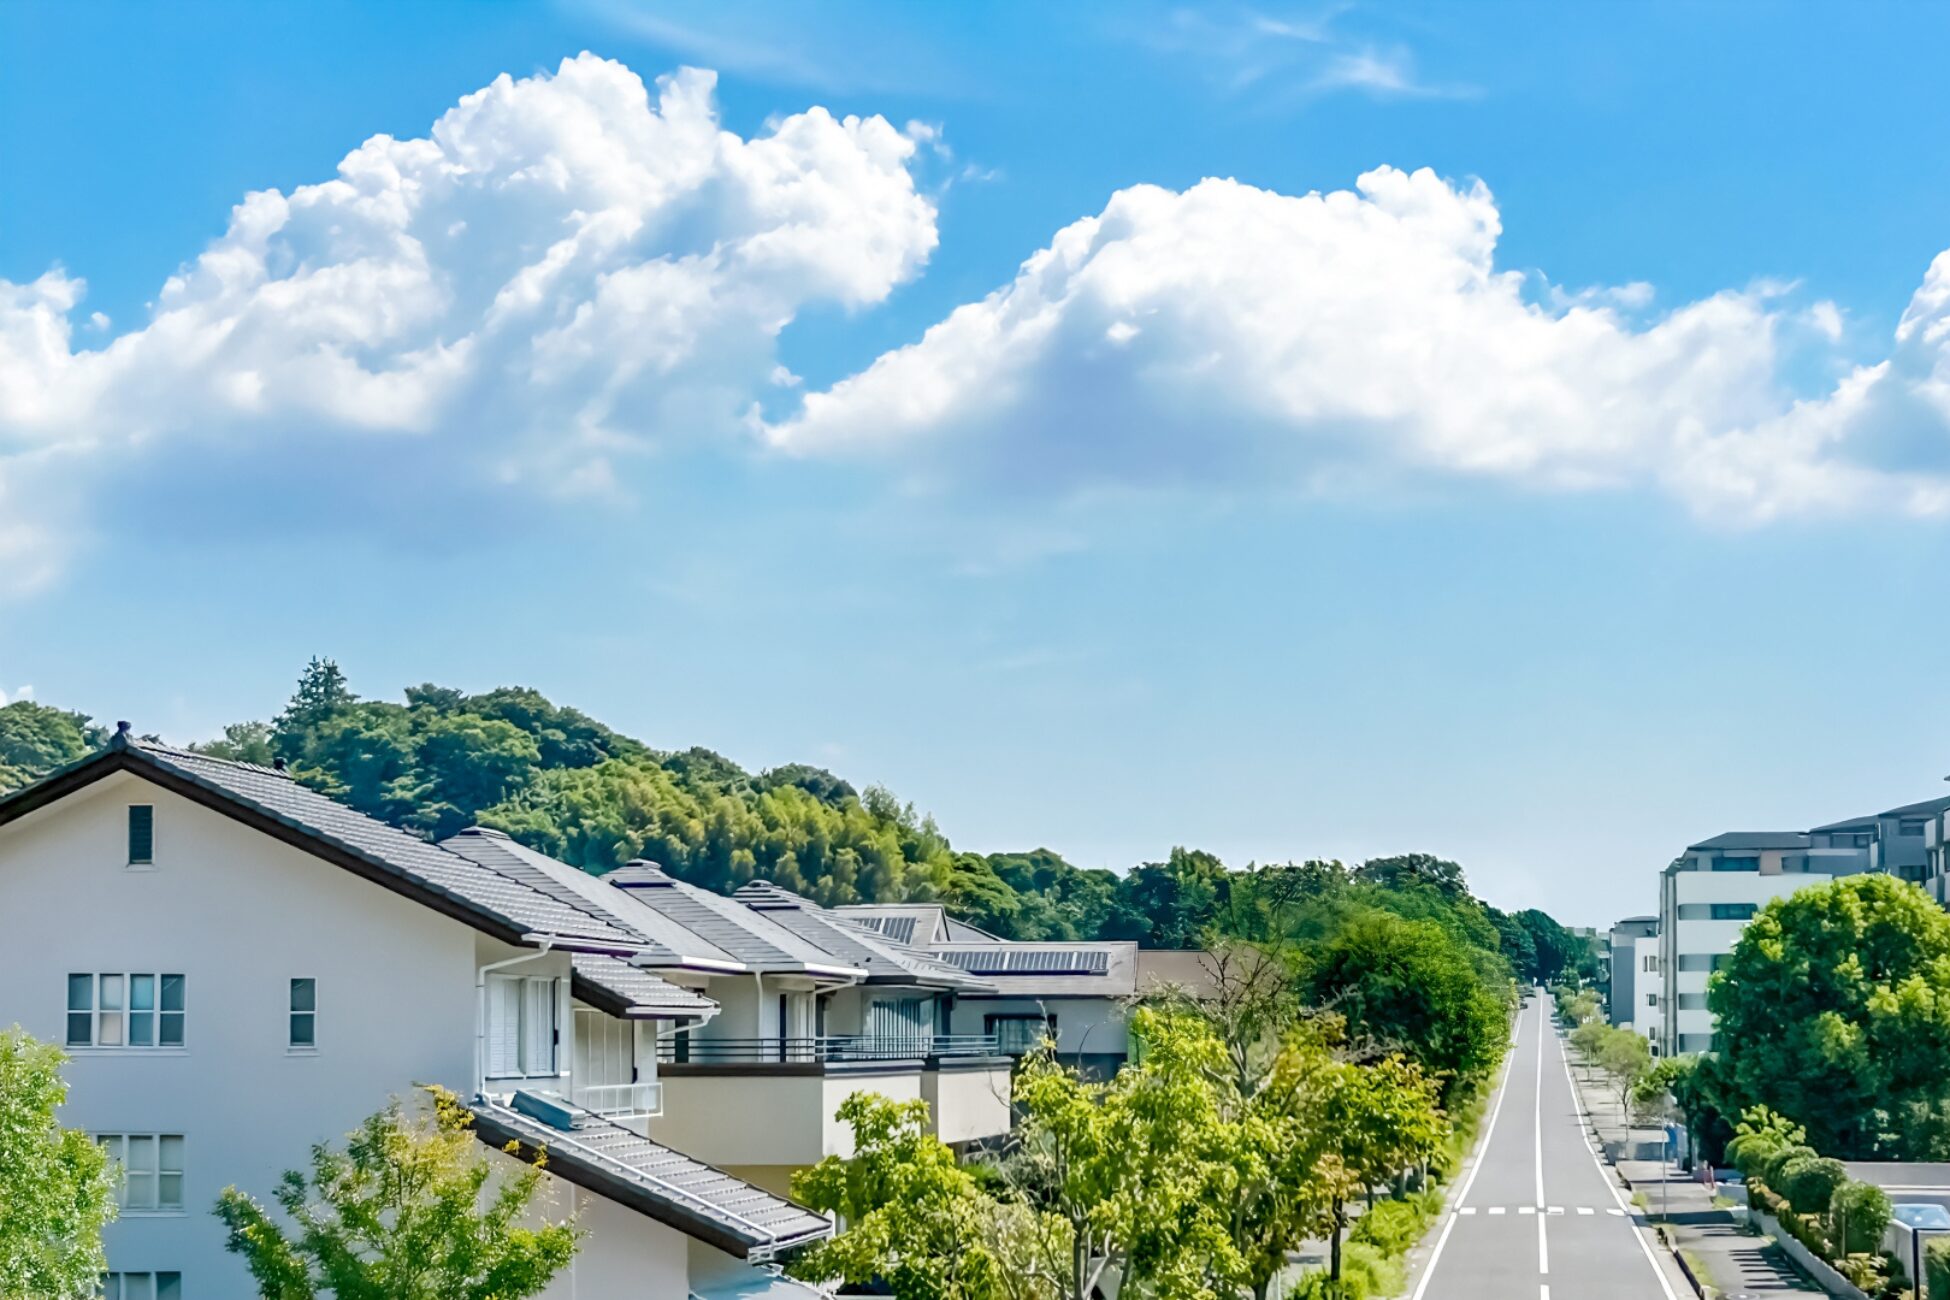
240, 967
1634, 987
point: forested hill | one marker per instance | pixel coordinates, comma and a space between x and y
564, 783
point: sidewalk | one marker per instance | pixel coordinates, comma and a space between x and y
1715, 1243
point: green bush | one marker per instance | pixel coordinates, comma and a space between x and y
1392, 1227
1773, 1169
1366, 1274
1863, 1210
1810, 1183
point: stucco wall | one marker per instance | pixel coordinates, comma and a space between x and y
968, 1104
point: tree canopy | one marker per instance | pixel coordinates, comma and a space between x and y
1834, 1010
57, 1189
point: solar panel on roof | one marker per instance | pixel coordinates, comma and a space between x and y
1003, 959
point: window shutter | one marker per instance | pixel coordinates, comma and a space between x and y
504, 1026
538, 1028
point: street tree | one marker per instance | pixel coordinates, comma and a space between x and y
410, 1209
917, 1222
1831, 1011
57, 1188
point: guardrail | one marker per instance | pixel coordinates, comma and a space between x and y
621, 1100
680, 1050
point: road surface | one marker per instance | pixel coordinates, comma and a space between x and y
1537, 1215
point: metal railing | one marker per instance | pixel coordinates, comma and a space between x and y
680, 1050
621, 1100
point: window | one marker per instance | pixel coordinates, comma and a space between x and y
1912, 825
1736, 864
1692, 1001
521, 1027
152, 1170
904, 1024
1696, 1042
142, 834
118, 1010
1696, 961
1019, 1035
142, 1286
1734, 911
1652, 999
304, 1013
1649, 962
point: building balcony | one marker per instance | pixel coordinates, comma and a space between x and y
621, 1101
830, 1049
757, 1104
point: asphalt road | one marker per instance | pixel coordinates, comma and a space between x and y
1536, 1215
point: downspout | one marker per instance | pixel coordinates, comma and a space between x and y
480, 1003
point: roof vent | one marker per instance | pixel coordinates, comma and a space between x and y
277, 764
639, 873
120, 740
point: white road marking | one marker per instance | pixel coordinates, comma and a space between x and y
1526, 1209
1537, 1096
1584, 1209
1543, 1291
1467, 1209
1496, 1209
1556, 1209
1615, 1210
1482, 1149
1651, 1260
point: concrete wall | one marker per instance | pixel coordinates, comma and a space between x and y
749, 1115
968, 1104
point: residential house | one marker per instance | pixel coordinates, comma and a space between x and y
240, 967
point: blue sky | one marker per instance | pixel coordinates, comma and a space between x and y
1581, 497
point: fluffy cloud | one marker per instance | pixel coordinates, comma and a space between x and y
1235, 336
563, 272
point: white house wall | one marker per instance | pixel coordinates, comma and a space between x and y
239, 915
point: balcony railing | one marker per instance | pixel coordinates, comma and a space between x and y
621, 1100
827, 1048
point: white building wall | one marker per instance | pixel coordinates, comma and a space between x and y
1693, 943
240, 914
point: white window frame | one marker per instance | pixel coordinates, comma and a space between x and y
147, 1178
113, 1019
531, 1046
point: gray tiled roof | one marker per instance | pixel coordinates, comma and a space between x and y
688, 1194
752, 938
1754, 840
480, 889
1922, 808
638, 993
884, 960
665, 941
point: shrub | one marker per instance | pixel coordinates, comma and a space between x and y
1760, 1134
1773, 1170
1390, 1227
1810, 1183
1862, 1209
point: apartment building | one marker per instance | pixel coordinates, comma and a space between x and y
1633, 956
240, 967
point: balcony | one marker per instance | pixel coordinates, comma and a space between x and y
764, 1106
830, 1049
621, 1101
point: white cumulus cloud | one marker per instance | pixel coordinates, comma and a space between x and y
1235, 336
565, 270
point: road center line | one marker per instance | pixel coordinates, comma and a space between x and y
1482, 1150
1543, 1235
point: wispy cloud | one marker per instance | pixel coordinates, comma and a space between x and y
1291, 56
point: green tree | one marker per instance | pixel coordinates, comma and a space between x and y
57, 1190
36, 739
242, 742
1377, 1120
1832, 1010
1415, 871
410, 1209
1142, 1171
917, 1222
321, 695
1410, 986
